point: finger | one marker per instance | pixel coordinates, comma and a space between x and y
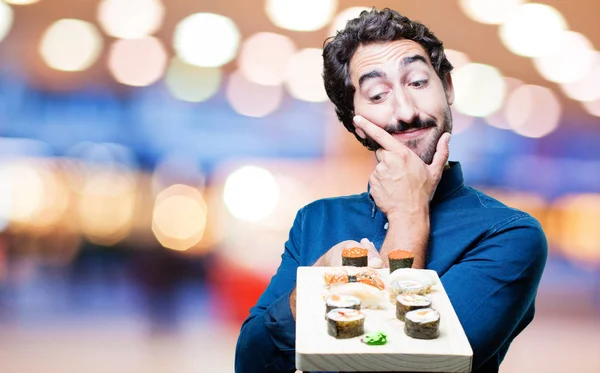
379, 154
442, 152
367, 244
376, 133
374, 258
361, 133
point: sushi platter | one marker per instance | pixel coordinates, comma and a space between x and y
361, 319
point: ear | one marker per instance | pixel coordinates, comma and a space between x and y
449, 89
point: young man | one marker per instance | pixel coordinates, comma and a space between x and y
390, 82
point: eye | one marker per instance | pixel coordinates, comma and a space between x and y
376, 98
419, 83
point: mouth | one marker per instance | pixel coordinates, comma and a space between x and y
411, 133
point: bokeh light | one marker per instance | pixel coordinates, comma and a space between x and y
265, 56
137, 62
32, 194
303, 80
460, 121
592, 107
570, 61
456, 58
489, 11
271, 231
206, 39
498, 119
107, 204
130, 19
532, 30
340, 20
301, 15
21, 2
250, 193
479, 89
179, 217
192, 83
587, 88
252, 99
533, 111
71, 45
578, 229
6, 19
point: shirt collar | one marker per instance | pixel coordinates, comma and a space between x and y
451, 181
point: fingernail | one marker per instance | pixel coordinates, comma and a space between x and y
357, 119
360, 133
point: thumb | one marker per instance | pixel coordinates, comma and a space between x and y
374, 258
441, 155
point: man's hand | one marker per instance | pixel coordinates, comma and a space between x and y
333, 257
402, 184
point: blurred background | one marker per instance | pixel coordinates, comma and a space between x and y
153, 155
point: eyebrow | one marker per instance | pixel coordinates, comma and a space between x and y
380, 74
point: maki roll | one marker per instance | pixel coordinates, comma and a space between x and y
355, 256
345, 323
400, 259
341, 301
405, 287
410, 302
422, 324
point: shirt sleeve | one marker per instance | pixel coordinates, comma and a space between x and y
267, 339
493, 288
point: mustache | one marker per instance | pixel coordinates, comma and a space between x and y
417, 123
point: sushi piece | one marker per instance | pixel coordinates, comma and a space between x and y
344, 275
422, 324
341, 301
410, 302
424, 276
370, 296
405, 287
345, 323
400, 259
355, 256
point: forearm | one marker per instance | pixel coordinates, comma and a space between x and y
293, 303
410, 233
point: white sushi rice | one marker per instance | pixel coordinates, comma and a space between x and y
345, 314
413, 300
342, 301
424, 315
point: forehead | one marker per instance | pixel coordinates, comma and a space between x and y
370, 56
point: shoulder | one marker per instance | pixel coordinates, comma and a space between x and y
517, 231
319, 206
468, 201
480, 218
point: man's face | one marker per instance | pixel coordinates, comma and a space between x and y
398, 90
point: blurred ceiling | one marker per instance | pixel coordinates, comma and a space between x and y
479, 41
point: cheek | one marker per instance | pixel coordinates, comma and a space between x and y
432, 103
380, 114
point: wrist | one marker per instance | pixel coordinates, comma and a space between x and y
415, 216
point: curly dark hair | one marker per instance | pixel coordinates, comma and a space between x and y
371, 27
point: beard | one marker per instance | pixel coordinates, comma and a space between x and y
432, 139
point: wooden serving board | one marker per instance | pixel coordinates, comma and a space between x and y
318, 351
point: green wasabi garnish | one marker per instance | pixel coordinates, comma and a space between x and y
375, 339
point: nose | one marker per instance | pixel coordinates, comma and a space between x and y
404, 107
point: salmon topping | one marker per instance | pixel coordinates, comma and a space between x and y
400, 254
355, 252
